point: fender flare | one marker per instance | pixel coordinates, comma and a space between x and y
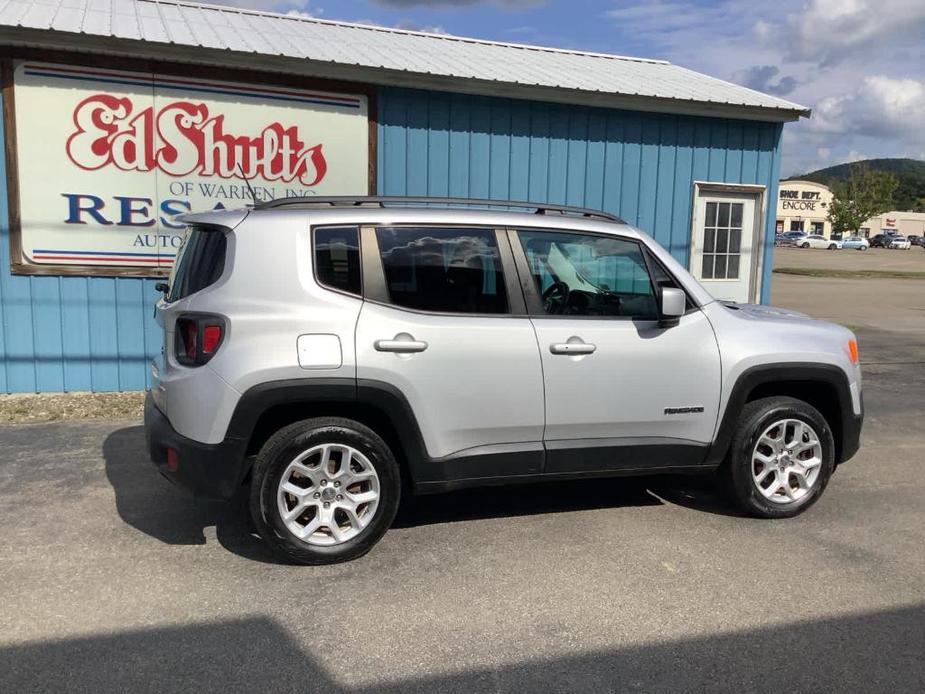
846, 431
385, 398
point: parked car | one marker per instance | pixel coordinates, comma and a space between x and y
858, 243
881, 240
901, 243
916, 240
339, 380
790, 238
819, 241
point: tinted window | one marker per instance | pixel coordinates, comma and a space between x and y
582, 275
337, 258
199, 263
445, 270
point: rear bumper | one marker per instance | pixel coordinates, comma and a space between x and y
214, 471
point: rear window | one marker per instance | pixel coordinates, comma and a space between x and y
446, 270
337, 259
199, 263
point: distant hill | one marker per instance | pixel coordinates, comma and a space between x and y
909, 195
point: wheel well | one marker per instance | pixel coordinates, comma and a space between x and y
275, 418
821, 395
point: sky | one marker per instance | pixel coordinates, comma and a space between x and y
858, 64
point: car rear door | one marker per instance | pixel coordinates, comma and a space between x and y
622, 392
444, 323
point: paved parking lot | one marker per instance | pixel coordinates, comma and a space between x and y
114, 581
912, 259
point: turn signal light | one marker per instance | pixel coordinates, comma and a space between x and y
853, 351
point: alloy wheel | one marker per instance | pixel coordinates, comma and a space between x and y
328, 494
786, 461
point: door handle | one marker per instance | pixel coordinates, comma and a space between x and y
572, 348
403, 343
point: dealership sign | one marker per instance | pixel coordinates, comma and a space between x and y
107, 158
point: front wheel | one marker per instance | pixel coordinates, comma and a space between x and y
324, 490
781, 458
805, 245
832, 246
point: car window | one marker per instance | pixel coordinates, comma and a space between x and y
585, 275
445, 270
337, 258
200, 262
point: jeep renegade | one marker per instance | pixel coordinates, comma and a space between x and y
331, 354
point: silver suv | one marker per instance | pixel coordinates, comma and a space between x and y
332, 354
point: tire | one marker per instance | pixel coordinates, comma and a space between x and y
862, 248
741, 472
832, 246
327, 440
805, 245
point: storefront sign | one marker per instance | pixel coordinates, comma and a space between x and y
107, 158
797, 200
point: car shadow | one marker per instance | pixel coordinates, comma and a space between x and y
149, 503
878, 651
152, 505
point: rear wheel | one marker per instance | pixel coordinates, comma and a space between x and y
805, 245
324, 490
780, 459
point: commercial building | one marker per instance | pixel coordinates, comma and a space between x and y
118, 114
804, 206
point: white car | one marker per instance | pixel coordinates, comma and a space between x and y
858, 243
901, 242
819, 241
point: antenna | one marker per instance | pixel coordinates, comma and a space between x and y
249, 187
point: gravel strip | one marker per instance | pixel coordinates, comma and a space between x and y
48, 407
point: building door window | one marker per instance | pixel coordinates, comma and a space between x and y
723, 244
796, 225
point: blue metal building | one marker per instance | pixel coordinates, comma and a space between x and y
448, 117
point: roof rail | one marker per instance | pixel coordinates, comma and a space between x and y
397, 200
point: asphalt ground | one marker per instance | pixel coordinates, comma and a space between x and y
114, 581
912, 259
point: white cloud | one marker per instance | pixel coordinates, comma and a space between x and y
880, 106
830, 31
856, 63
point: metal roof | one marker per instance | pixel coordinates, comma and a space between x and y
234, 37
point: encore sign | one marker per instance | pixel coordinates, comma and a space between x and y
107, 158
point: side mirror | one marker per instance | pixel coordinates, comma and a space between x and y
674, 303
163, 288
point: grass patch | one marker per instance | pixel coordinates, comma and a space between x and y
852, 274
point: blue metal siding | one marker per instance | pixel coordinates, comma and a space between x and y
77, 333
72, 333
640, 166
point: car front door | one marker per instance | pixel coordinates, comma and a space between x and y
622, 391
444, 323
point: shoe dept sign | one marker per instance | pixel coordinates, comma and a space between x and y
107, 158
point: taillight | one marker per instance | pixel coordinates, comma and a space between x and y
190, 337
211, 336
198, 337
